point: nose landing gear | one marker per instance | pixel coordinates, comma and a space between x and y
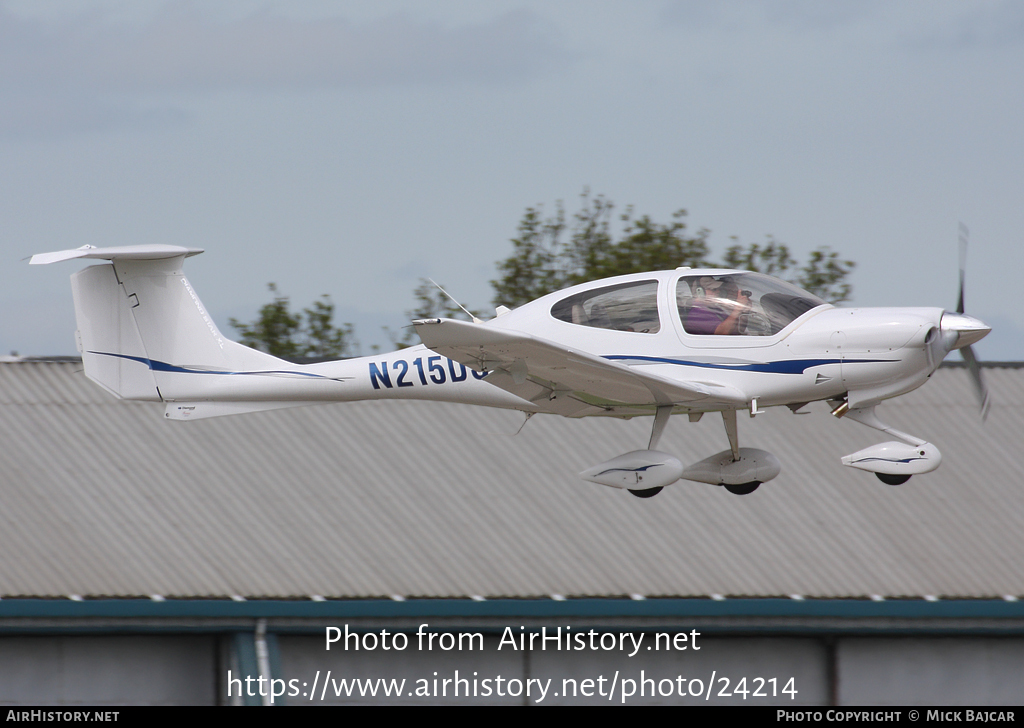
892, 462
649, 493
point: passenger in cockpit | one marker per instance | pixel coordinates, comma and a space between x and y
737, 303
718, 310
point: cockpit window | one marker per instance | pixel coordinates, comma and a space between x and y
740, 304
625, 307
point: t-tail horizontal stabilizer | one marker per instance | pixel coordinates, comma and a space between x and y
140, 322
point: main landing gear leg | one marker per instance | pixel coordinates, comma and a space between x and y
732, 431
660, 420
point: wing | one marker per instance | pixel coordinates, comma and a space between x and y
562, 380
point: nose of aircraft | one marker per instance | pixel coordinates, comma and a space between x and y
967, 329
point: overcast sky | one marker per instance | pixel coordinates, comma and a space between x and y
350, 148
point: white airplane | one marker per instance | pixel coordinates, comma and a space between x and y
670, 342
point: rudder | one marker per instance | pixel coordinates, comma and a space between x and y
107, 337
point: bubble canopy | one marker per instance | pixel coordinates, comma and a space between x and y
740, 304
726, 303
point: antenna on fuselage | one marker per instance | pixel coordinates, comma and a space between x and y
468, 312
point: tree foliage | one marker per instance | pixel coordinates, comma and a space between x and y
824, 274
550, 253
306, 334
773, 258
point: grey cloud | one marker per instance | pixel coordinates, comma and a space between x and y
798, 15
183, 51
989, 25
924, 24
48, 115
817, 15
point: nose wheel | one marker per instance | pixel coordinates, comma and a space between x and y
649, 493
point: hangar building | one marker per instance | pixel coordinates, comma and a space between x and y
142, 560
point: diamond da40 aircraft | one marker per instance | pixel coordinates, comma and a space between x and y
656, 344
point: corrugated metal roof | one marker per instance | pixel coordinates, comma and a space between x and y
104, 498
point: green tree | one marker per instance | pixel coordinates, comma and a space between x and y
551, 253
532, 269
647, 245
322, 339
773, 259
824, 274
308, 334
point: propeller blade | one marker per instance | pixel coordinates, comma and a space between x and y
980, 390
963, 266
967, 331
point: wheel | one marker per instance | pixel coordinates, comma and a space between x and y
742, 488
892, 479
649, 493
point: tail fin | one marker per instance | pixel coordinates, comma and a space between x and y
138, 316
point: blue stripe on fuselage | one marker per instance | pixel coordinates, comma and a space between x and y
160, 366
791, 366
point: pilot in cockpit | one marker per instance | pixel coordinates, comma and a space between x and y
717, 308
